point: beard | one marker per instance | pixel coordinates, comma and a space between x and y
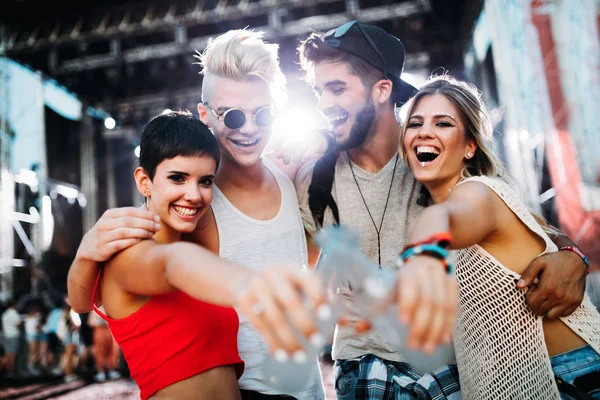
361, 128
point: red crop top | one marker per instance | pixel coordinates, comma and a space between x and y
174, 337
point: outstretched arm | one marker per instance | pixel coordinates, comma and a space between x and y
468, 214
427, 296
269, 298
116, 230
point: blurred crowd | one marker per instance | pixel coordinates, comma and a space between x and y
42, 338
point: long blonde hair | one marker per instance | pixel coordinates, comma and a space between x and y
473, 113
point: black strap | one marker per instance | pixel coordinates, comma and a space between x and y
571, 390
253, 395
424, 197
319, 191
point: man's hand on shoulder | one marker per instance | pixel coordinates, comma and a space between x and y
117, 229
299, 149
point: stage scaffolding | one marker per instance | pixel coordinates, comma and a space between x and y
24, 95
116, 25
6, 185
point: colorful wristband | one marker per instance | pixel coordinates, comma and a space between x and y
432, 250
576, 250
442, 239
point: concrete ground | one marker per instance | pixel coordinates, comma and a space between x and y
122, 389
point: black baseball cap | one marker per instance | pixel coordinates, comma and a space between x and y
377, 47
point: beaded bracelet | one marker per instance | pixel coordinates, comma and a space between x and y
432, 250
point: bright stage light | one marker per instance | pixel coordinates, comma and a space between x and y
416, 79
81, 200
68, 192
167, 111
110, 123
137, 152
35, 215
27, 177
47, 222
296, 123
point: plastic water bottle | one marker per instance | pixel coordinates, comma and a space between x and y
343, 262
290, 374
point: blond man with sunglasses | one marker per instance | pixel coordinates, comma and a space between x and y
255, 219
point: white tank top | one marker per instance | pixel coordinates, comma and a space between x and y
257, 244
499, 342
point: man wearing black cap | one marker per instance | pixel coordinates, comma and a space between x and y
355, 71
361, 183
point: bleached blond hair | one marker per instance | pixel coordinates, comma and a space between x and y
243, 54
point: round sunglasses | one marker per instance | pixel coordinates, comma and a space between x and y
234, 118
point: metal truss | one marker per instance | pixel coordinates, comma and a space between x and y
277, 27
129, 21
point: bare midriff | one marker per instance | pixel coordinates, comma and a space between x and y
216, 383
560, 338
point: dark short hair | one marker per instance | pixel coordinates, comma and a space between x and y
174, 134
314, 50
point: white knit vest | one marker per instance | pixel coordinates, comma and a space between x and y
499, 342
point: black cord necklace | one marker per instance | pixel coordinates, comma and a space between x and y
378, 230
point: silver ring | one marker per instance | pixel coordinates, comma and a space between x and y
258, 308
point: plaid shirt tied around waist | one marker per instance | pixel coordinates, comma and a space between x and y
370, 377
